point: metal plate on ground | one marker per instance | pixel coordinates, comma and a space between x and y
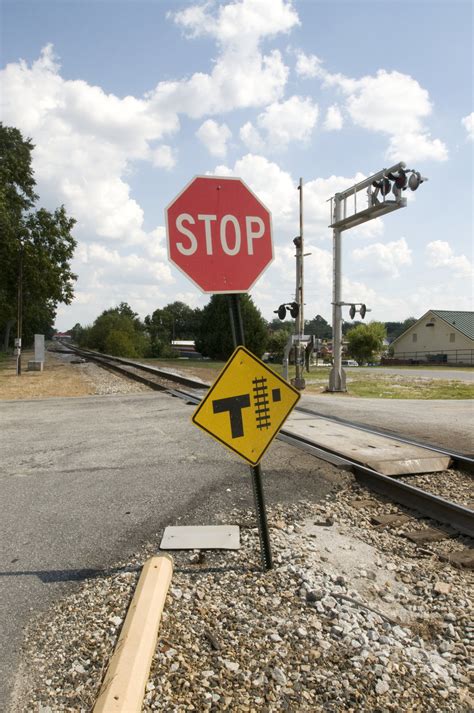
201, 537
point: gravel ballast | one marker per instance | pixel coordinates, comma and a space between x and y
352, 618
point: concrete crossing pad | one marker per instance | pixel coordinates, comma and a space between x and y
381, 453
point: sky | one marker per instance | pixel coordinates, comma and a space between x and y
127, 100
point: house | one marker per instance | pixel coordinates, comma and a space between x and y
440, 336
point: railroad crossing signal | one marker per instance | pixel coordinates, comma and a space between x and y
246, 406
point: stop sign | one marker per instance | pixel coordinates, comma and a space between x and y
219, 234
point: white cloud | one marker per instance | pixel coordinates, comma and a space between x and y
383, 259
242, 76
440, 254
85, 141
281, 123
163, 157
388, 102
307, 66
278, 190
291, 120
250, 136
416, 147
214, 136
242, 22
110, 267
333, 120
468, 123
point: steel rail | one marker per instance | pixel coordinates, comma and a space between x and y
444, 511
457, 516
170, 376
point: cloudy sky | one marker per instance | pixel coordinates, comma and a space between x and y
127, 100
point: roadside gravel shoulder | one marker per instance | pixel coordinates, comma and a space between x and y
351, 618
62, 378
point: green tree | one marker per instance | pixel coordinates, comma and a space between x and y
365, 341
277, 342
319, 327
117, 331
36, 243
278, 325
76, 333
174, 321
215, 333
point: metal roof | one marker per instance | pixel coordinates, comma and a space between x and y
463, 321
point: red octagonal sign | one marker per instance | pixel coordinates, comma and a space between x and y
219, 234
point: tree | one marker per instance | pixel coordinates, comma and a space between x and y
117, 331
215, 334
319, 327
365, 341
277, 342
37, 244
174, 321
278, 325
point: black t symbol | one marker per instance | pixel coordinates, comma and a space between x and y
234, 405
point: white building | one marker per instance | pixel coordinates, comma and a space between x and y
440, 336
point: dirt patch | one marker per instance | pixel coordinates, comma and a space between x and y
57, 379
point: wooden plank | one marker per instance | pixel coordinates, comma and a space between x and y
381, 453
124, 684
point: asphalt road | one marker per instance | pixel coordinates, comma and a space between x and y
84, 482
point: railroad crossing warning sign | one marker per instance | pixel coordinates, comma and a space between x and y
246, 406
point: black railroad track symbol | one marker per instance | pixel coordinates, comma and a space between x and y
262, 403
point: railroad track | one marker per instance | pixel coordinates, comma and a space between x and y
455, 515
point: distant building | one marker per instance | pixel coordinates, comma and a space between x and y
62, 336
186, 348
440, 336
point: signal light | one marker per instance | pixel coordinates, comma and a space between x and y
383, 185
352, 311
294, 309
281, 311
400, 179
396, 181
362, 311
415, 180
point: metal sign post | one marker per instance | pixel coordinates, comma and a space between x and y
255, 470
244, 410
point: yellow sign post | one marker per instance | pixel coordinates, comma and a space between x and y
246, 406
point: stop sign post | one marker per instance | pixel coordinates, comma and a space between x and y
219, 234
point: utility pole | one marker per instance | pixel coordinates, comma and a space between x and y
299, 381
19, 317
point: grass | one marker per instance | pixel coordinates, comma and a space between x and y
373, 384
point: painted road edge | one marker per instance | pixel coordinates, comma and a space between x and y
124, 684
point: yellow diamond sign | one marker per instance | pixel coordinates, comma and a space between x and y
246, 406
